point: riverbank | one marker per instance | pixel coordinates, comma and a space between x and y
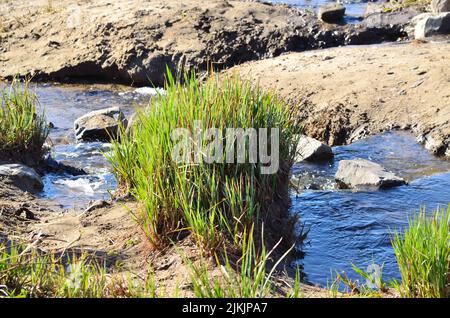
133, 41
345, 94
112, 238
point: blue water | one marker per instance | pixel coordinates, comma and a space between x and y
354, 226
354, 8
63, 104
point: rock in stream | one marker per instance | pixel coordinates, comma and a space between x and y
361, 173
100, 125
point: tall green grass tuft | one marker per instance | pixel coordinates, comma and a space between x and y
26, 272
423, 255
246, 278
23, 130
212, 201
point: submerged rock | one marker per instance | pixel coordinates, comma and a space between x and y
438, 6
22, 176
331, 12
311, 149
427, 24
359, 173
101, 125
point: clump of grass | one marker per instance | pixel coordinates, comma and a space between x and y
423, 255
373, 286
23, 130
246, 278
215, 202
26, 272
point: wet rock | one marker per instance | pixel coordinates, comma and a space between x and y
101, 125
22, 176
311, 149
331, 12
360, 173
438, 6
427, 25
51, 165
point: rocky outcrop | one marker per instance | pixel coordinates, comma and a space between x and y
438, 6
331, 12
361, 173
311, 149
100, 125
428, 24
22, 176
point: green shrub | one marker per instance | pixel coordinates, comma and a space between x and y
213, 201
23, 130
423, 255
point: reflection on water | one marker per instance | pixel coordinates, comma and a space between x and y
354, 226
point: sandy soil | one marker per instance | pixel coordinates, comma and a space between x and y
133, 40
111, 235
347, 93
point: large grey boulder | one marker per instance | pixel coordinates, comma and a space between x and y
311, 149
22, 176
101, 125
427, 24
438, 6
361, 173
331, 12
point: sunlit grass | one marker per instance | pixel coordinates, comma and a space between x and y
27, 272
23, 130
248, 277
423, 255
212, 201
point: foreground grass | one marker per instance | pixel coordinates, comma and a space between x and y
23, 130
215, 202
248, 278
423, 255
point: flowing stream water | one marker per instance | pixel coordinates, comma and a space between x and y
348, 226
345, 226
63, 104
354, 9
